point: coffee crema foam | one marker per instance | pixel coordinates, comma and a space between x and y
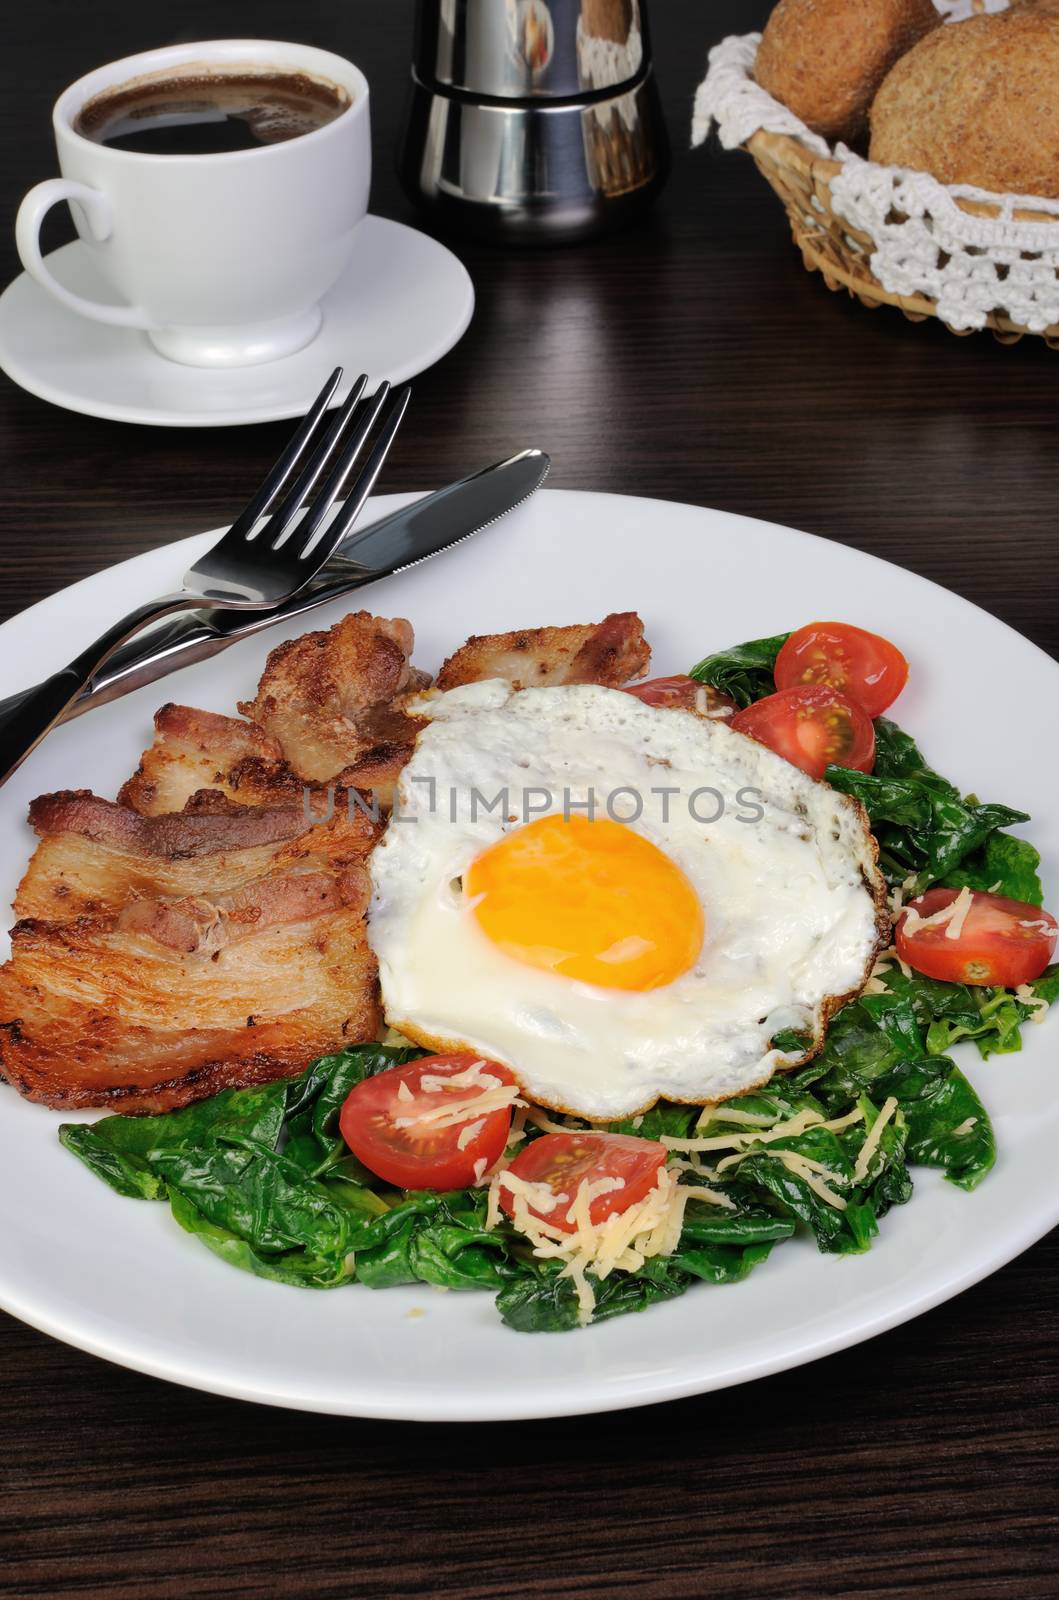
210, 113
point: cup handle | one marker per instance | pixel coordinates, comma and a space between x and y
96, 207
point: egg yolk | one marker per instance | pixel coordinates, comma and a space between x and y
591, 900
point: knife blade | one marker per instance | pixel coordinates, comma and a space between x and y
406, 537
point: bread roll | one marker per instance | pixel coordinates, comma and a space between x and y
826, 58
978, 102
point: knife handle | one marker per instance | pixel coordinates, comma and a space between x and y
24, 725
26, 722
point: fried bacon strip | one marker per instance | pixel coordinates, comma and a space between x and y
160, 959
333, 702
608, 653
196, 923
195, 750
94, 855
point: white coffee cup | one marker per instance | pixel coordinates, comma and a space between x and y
222, 260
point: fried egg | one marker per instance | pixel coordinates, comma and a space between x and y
621, 902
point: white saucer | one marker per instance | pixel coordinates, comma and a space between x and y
403, 303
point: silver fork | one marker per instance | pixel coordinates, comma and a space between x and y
273, 549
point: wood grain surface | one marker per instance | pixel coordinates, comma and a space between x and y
691, 359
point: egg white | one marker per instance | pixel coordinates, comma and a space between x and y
791, 900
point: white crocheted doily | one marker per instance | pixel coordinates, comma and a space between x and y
925, 244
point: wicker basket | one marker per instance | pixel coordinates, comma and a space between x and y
832, 247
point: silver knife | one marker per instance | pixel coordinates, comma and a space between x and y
401, 540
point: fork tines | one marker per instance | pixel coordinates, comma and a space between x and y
318, 466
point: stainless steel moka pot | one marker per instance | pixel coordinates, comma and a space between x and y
535, 121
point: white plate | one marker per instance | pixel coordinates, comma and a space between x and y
403, 303
119, 1278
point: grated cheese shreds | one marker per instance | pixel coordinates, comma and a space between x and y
693, 1163
952, 917
473, 1077
755, 1141
896, 897
937, 919
535, 1194
966, 1126
495, 1095
871, 1143
718, 1142
811, 1172
799, 1123
735, 1140
875, 986
838, 1123
489, 1100
623, 1239
1037, 1003
469, 1133
590, 1189
726, 1113
713, 1197
621, 1242
546, 1124
801, 1167
810, 1163
961, 910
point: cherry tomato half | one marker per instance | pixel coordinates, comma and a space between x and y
811, 727
862, 666
563, 1160
684, 694
385, 1122
1001, 941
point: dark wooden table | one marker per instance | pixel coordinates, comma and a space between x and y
692, 359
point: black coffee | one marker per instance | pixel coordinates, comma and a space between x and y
208, 115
